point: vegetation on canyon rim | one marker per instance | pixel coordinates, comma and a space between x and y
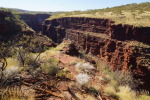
132, 14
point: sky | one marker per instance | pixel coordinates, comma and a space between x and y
64, 5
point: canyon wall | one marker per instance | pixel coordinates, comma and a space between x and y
34, 20
116, 44
102, 26
11, 25
8, 24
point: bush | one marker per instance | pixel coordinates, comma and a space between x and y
82, 79
119, 78
32, 63
50, 66
85, 67
50, 69
65, 73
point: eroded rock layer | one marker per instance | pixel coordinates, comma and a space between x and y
116, 44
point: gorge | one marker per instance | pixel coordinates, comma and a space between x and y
34, 20
80, 55
119, 45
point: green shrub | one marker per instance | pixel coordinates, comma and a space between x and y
50, 69
7, 19
50, 66
64, 73
32, 63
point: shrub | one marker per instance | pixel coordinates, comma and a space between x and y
50, 69
65, 73
85, 67
119, 78
7, 19
21, 56
27, 59
82, 79
53, 61
32, 63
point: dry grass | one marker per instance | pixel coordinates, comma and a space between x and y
12, 63
53, 51
136, 17
124, 93
95, 34
111, 91
144, 97
138, 44
17, 93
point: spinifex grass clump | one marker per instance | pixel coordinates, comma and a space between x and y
6, 76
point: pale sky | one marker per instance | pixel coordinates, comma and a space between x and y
64, 5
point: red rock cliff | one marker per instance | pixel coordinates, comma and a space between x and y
102, 38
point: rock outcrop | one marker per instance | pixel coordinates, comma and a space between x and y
116, 44
8, 24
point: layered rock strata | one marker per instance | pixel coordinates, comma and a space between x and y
118, 45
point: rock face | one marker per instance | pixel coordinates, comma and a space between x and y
8, 25
109, 42
34, 20
70, 49
99, 26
